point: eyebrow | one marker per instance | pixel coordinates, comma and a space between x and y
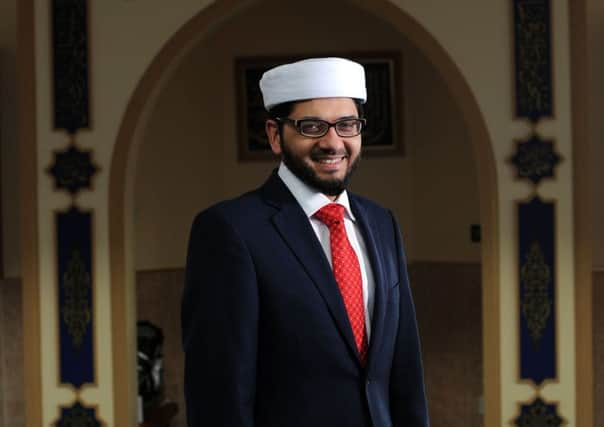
319, 118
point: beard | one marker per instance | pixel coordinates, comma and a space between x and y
329, 187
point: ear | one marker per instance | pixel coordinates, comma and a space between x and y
272, 132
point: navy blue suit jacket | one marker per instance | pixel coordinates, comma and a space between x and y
266, 336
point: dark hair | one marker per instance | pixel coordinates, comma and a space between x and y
285, 109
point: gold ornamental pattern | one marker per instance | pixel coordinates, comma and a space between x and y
535, 159
76, 311
539, 415
78, 416
533, 58
535, 277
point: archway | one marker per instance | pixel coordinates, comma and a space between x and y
125, 154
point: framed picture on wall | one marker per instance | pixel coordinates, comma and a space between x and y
383, 110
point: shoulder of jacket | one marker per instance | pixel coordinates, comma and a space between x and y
368, 204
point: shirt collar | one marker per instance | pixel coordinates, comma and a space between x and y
310, 199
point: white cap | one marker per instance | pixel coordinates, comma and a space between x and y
313, 78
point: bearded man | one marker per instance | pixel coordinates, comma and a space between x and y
297, 309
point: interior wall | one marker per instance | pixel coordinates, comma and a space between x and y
595, 52
449, 293
595, 34
445, 293
598, 343
445, 188
9, 174
156, 290
190, 146
12, 398
120, 60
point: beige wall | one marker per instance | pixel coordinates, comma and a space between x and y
445, 181
476, 36
9, 176
190, 145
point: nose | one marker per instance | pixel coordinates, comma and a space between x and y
331, 141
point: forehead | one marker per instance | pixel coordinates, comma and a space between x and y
325, 108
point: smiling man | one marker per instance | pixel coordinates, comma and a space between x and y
297, 309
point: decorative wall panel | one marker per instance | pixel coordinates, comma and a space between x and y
537, 291
70, 64
72, 169
76, 337
78, 416
535, 159
532, 49
539, 414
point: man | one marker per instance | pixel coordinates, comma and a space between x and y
297, 309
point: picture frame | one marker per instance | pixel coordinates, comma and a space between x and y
385, 124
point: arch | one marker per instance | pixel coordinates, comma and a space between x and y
122, 177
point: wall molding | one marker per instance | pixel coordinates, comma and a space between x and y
28, 162
583, 212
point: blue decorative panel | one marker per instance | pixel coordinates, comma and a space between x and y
532, 48
535, 159
74, 243
537, 290
70, 64
72, 169
78, 416
539, 414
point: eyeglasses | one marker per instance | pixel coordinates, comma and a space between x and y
316, 128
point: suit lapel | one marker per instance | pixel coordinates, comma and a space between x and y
374, 251
293, 225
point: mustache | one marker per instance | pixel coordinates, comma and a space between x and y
319, 153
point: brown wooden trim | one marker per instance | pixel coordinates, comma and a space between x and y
120, 195
3, 84
26, 99
582, 202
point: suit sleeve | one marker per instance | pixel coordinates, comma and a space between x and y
219, 325
407, 392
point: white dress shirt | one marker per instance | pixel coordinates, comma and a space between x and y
311, 201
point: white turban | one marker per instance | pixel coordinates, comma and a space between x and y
313, 78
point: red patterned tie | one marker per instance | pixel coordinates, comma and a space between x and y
347, 272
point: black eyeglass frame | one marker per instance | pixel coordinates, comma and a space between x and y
297, 125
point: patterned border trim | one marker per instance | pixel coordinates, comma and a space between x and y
72, 169
78, 415
76, 336
538, 413
536, 264
70, 64
532, 50
535, 159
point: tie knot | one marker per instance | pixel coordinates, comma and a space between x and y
330, 214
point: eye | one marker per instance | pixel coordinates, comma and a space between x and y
348, 127
311, 126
